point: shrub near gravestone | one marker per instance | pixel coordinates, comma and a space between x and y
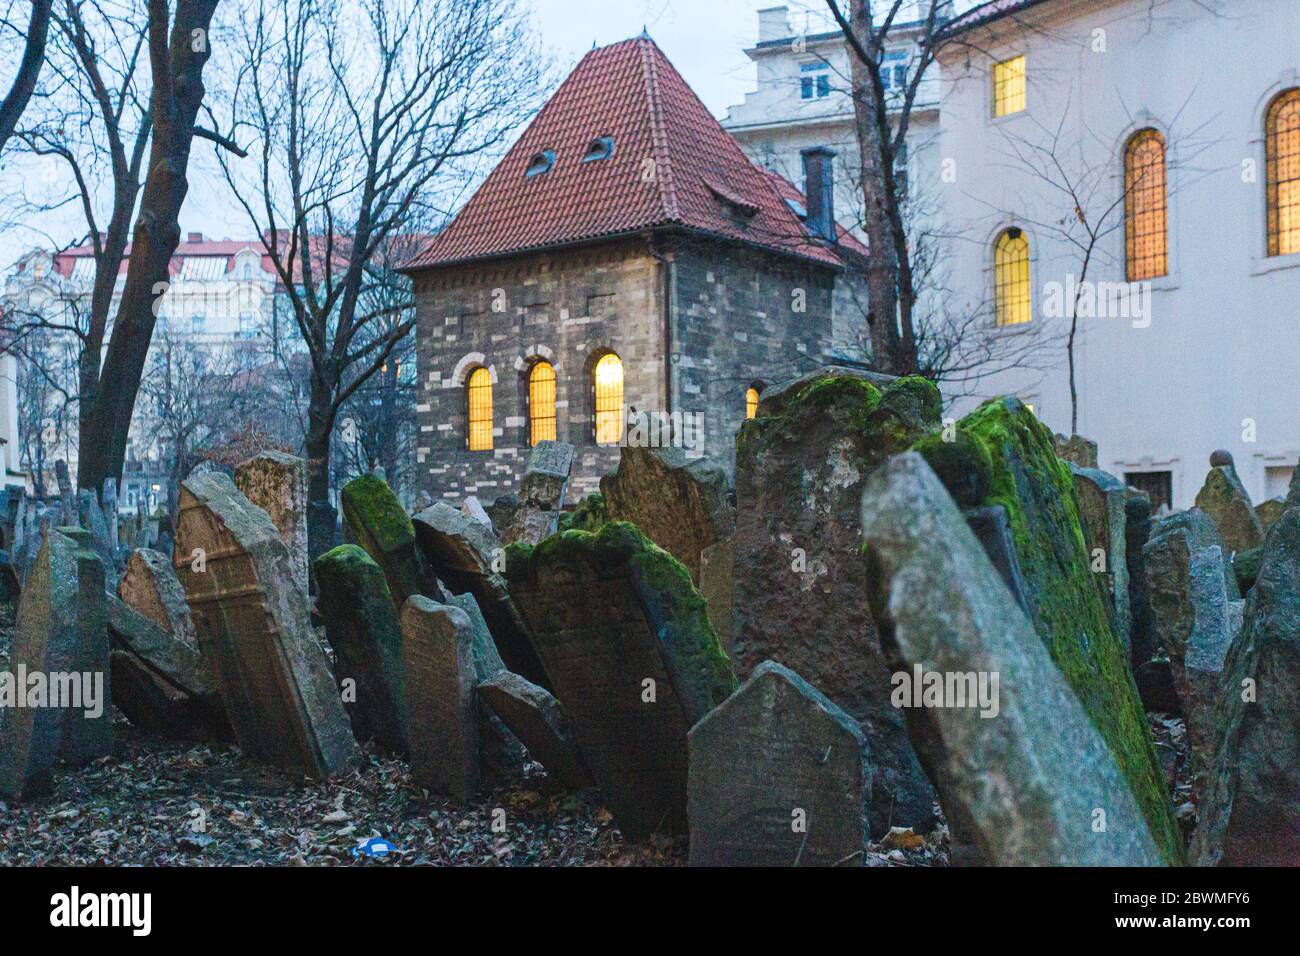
1037, 489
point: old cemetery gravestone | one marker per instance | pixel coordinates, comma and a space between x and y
361, 623
254, 630
541, 494
277, 483
625, 640
538, 720
1223, 497
1101, 498
55, 699
469, 559
1137, 531
1269, 511
799, 583
378, 522
1250, 814
1004, 448
779, 776
150, 585
995, 706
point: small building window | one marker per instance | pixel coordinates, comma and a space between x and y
540, 163
478, 401
541, 403
1156, 485
600, 148
751, 402
607, 382
1011, 277
1282, 152
1146, 206
814, 80
1009, 86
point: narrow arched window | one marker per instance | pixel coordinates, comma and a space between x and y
541, 403
1282, 151
608, 384
1146, 206
478, 400
751, 402
1011, 277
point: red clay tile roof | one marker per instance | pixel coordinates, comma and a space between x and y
985, 13
672, 164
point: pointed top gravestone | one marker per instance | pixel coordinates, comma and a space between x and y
1223, 497
254, 629
150, 585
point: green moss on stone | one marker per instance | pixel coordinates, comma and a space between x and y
590, 513
1037, 490
962, 464
372, 510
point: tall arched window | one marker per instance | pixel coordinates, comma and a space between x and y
1146, 206
541, 403
1282, 150
478, 401
608, 385
1011, 277
751, 402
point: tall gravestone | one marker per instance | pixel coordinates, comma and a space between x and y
541, 494
254, 629
1101, 498
277, 483
779, 776
1023, 774
624, 637
1223, 497
378, 522
798, 582
150, 585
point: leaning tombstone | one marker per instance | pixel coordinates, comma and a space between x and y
779, 776
1101, 498
380, 524
254, 629
277, 483
537, 719
150, 585
541, 494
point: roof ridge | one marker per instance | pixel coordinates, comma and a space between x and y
661, 158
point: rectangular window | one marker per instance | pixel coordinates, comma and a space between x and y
1157, 485
1009, 86
805, 87
198, 324
823, 85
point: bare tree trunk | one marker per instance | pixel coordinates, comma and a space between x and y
177, 68
11, 108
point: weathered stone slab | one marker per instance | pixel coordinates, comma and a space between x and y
472, 507
776, 398
541, 494
1076, 450
362, 626
379, 523
538, 720
468, 558
1137, 530
1204, 534
1101, 497
442, 712
59, 662
625, 639
944, 610
779, 776
1269, 511
150, 585
277, 483
1250, 815
1223, 497
254, 630
679, 503
992, 528
716, 587
1245, 568
1069, 612
799, 584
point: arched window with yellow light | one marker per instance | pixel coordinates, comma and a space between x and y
541, 403
607, 385
1282, 154
478, 410
751, 401
1011, 277
1146, 206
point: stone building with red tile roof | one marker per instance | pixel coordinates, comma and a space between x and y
625, 262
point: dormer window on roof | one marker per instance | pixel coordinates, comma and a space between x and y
602, 147
540, 163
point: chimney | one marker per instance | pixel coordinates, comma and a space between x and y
773, 24
819, 190
194, 237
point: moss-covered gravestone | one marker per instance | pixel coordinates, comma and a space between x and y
799, 586
779, 776
1102, 512
679, 503
624, 636
537, 719
59, 660
1223, 497
1024, 777
379, 523
254, 630
362, 626
541, 494
1004, 440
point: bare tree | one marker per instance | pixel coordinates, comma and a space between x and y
29, 68
364, 121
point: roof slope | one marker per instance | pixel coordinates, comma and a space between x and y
672, 164
985, 13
